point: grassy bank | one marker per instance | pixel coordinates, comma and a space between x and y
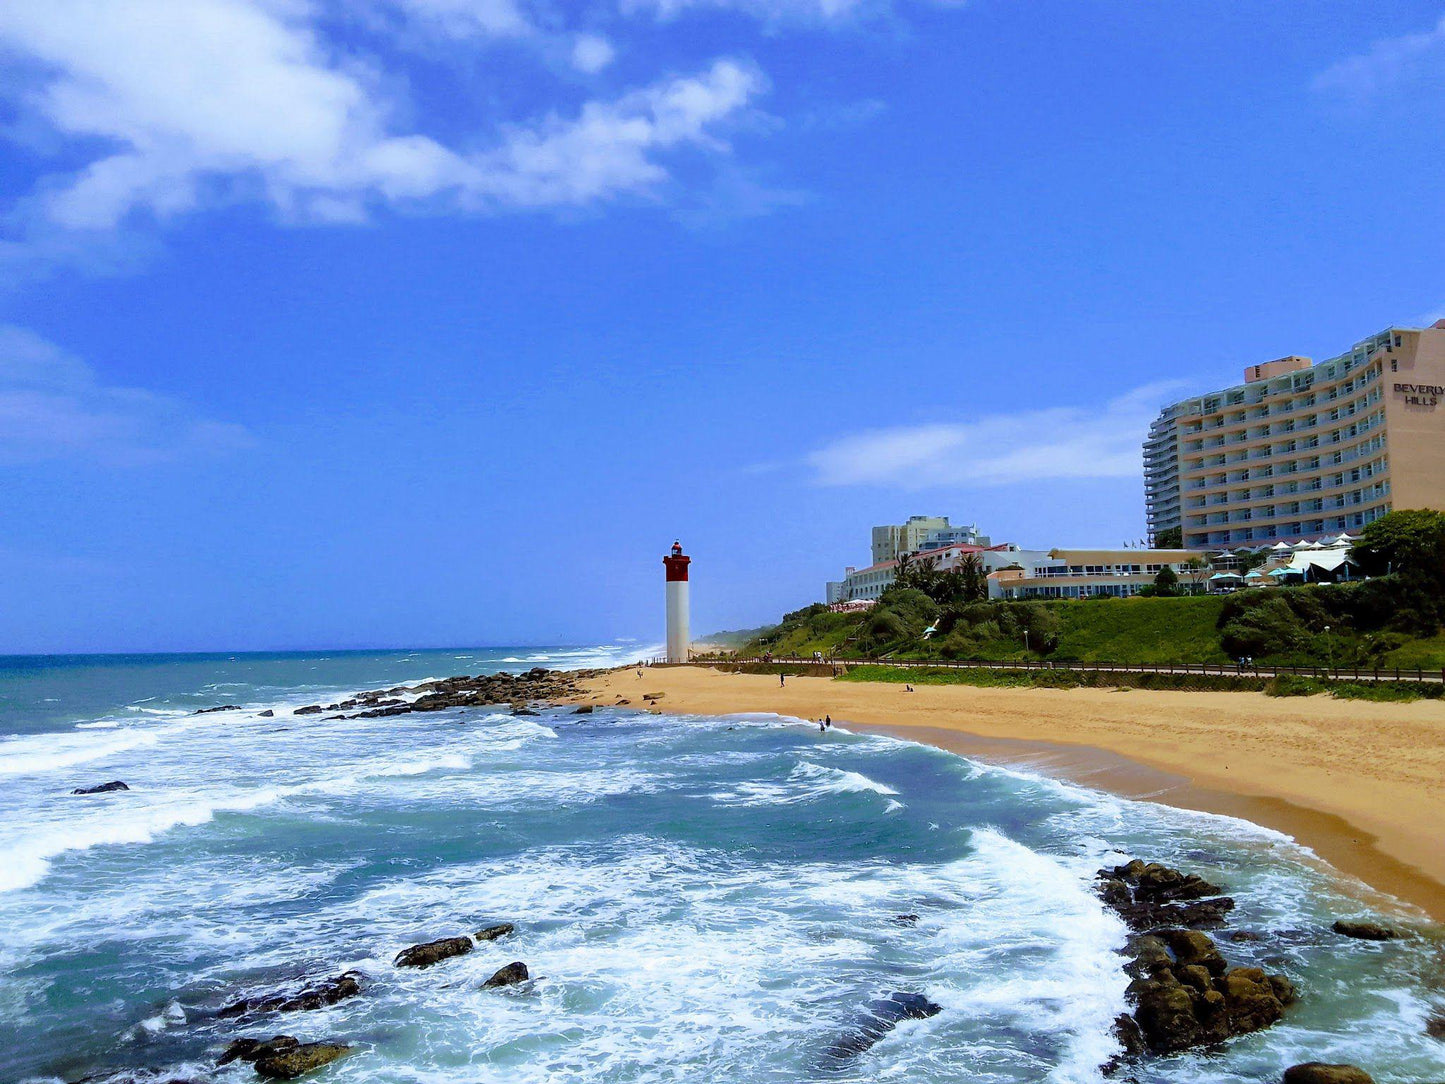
1343, 626
1064, 678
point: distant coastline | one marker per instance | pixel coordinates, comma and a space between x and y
1357, 783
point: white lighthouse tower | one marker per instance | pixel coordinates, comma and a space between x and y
677, 639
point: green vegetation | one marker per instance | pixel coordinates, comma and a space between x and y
1064, 678
1393, 620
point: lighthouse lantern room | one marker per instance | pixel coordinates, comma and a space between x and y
677, 639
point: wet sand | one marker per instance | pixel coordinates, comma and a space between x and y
1361, 784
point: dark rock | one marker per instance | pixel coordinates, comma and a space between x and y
509, 975
223, 707
432, 952
1317, 1072
525, 711
1364, 931
1150, 956
309, 709
317, 996
103, 788
267, 714
585, 709
1435, 1026
1245, 935
879, 1018
251, 1049
905, 920
491, 933
1129, 1035
1146, 895
289, 1064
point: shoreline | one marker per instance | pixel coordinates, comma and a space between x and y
1356, 783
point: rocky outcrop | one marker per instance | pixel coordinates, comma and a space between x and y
483, 691
1318, 1072
585, 709
1364, 931
103, 788
878, 1019
309, 709
297, 1060
1184, 992
1146, 895
252, 1049
317, 996
491, 933
433, 952
268, 714
509, 975
223, 707
1435, 1026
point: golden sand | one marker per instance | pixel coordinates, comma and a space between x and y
1361, 784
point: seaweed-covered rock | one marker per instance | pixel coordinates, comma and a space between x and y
509, 975
1252, 999
1318, 1072
309, 709
1363, 930
298, 1060
433, 952
491, 933
1193, 947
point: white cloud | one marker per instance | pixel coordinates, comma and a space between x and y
468, 18
591, 53
183, 104
1388, 63
771, 11
52, 405
1032, 445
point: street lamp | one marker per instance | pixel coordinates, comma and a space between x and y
1329, 649
1026, 641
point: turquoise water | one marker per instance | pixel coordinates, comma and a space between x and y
697, 898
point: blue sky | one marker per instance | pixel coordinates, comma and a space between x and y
406, 322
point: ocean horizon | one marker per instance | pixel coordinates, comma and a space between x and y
719, 895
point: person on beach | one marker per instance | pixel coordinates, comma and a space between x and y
781, 682
821, 728
907, 688
828, 721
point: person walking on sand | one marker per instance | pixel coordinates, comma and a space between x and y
781, 682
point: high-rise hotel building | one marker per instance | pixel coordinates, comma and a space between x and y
1303, 450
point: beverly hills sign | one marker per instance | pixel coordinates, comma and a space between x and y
1425, 395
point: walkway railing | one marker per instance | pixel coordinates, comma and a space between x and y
1323, 673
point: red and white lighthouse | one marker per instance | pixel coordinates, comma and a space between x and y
676, 563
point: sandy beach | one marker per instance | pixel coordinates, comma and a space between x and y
1359, 783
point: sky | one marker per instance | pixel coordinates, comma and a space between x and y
434, 322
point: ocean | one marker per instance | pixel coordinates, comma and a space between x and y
696, 898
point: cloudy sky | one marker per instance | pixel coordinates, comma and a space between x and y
406, 322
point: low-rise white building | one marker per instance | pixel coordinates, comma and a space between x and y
1069, 573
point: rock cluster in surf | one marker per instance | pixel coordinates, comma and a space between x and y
482, 691
1184, 992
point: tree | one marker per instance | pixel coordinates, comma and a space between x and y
1195, 568
1171, 538
1411, 543
1166, 582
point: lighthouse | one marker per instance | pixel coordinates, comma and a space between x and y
676, 563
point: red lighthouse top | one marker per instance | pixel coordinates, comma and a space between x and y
676, 564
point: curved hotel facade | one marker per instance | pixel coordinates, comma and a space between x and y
1303, 450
